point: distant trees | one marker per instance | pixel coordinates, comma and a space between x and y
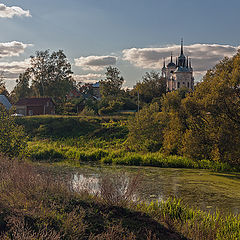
153, 86
49, 74
113, 97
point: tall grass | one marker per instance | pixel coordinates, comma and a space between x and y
193, 223
102, 152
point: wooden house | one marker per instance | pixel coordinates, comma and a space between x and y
35, 106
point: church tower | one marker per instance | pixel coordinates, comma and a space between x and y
180, 74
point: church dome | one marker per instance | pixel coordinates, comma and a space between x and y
171, 64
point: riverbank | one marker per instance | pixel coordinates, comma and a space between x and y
75, 152
38, 206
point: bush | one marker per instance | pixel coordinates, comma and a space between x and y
13, 141
47, 155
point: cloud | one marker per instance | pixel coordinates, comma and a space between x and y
11, 70
204, 56
95, 63
10, 49
88, 78
10, 12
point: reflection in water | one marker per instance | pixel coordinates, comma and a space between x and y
199, 188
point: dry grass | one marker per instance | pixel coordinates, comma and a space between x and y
119, 189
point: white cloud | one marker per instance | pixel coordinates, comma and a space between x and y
11, 70
10, 12
88, 78
10, 49
204, 56
95, 63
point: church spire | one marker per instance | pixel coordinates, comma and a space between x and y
171, 58
187, 61
182, 46
164, 64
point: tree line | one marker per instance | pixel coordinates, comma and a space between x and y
50, 75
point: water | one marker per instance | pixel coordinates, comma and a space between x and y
198, 188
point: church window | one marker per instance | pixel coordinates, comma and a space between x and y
183, 82
188, 84
178, 84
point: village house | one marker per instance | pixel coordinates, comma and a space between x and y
35, 106
86, 91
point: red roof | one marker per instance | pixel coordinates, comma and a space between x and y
33, 101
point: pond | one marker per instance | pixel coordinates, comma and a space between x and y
198, 188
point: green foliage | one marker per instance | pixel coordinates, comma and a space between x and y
194, 223
57, 127
13, 141
213, 115
22, 89
153, 86
203, 124
111, 86
145, 129
50, 75
75, 152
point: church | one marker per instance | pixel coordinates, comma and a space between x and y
179, 74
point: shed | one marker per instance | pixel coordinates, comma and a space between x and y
35, 106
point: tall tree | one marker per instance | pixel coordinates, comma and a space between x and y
111, 85
152, 86
51, 75
22, 89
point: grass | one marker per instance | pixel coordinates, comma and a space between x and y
104, 152
34, 205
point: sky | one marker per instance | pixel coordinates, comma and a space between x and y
133, 35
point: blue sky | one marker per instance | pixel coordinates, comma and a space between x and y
134, 35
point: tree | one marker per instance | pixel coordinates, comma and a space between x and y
111, 86
3, 89
153, 86
146, 129
22, 89
217, 124
51, 75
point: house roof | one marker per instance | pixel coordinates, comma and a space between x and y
5, 102
33, 101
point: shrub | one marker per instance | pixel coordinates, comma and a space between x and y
13, 141
47, 155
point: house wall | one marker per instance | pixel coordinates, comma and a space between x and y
35, 110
